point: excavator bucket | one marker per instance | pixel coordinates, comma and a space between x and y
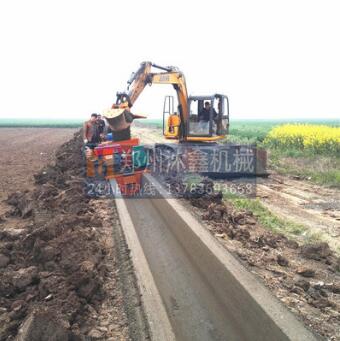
116, 118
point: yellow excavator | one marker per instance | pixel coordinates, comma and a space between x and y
197, 119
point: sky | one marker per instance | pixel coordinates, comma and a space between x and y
273, 59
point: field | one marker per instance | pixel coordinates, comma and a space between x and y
319, 165
39, 123
22, 160
248, 130
311, 138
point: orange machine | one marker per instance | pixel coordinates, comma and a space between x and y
124, 161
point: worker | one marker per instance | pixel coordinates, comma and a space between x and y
91, 131
101, 126
204, 117
173, 123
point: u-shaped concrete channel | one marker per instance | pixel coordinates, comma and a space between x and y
192, 288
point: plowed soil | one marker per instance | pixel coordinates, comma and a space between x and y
59, 274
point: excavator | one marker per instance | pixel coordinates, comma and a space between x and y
197, 121
183, 124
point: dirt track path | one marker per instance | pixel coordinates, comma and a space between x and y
148, 135
313, 206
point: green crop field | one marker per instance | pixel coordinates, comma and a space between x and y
257, 130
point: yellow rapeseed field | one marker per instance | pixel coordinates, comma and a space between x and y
316, 138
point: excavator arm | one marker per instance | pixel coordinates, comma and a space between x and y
144, 76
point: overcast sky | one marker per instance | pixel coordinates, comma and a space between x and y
274, 59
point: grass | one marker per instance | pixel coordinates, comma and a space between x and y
320, 169
249, 131
330, 178
266, 218
270, 221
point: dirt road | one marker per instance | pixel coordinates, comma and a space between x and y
313, 206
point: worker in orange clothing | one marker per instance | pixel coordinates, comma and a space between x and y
173, 122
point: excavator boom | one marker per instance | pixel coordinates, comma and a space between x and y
144, 76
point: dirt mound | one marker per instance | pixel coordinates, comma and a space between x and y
51, 268
205, 200
44, 325
316, 251
22, 204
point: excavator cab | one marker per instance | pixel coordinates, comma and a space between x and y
208, 118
